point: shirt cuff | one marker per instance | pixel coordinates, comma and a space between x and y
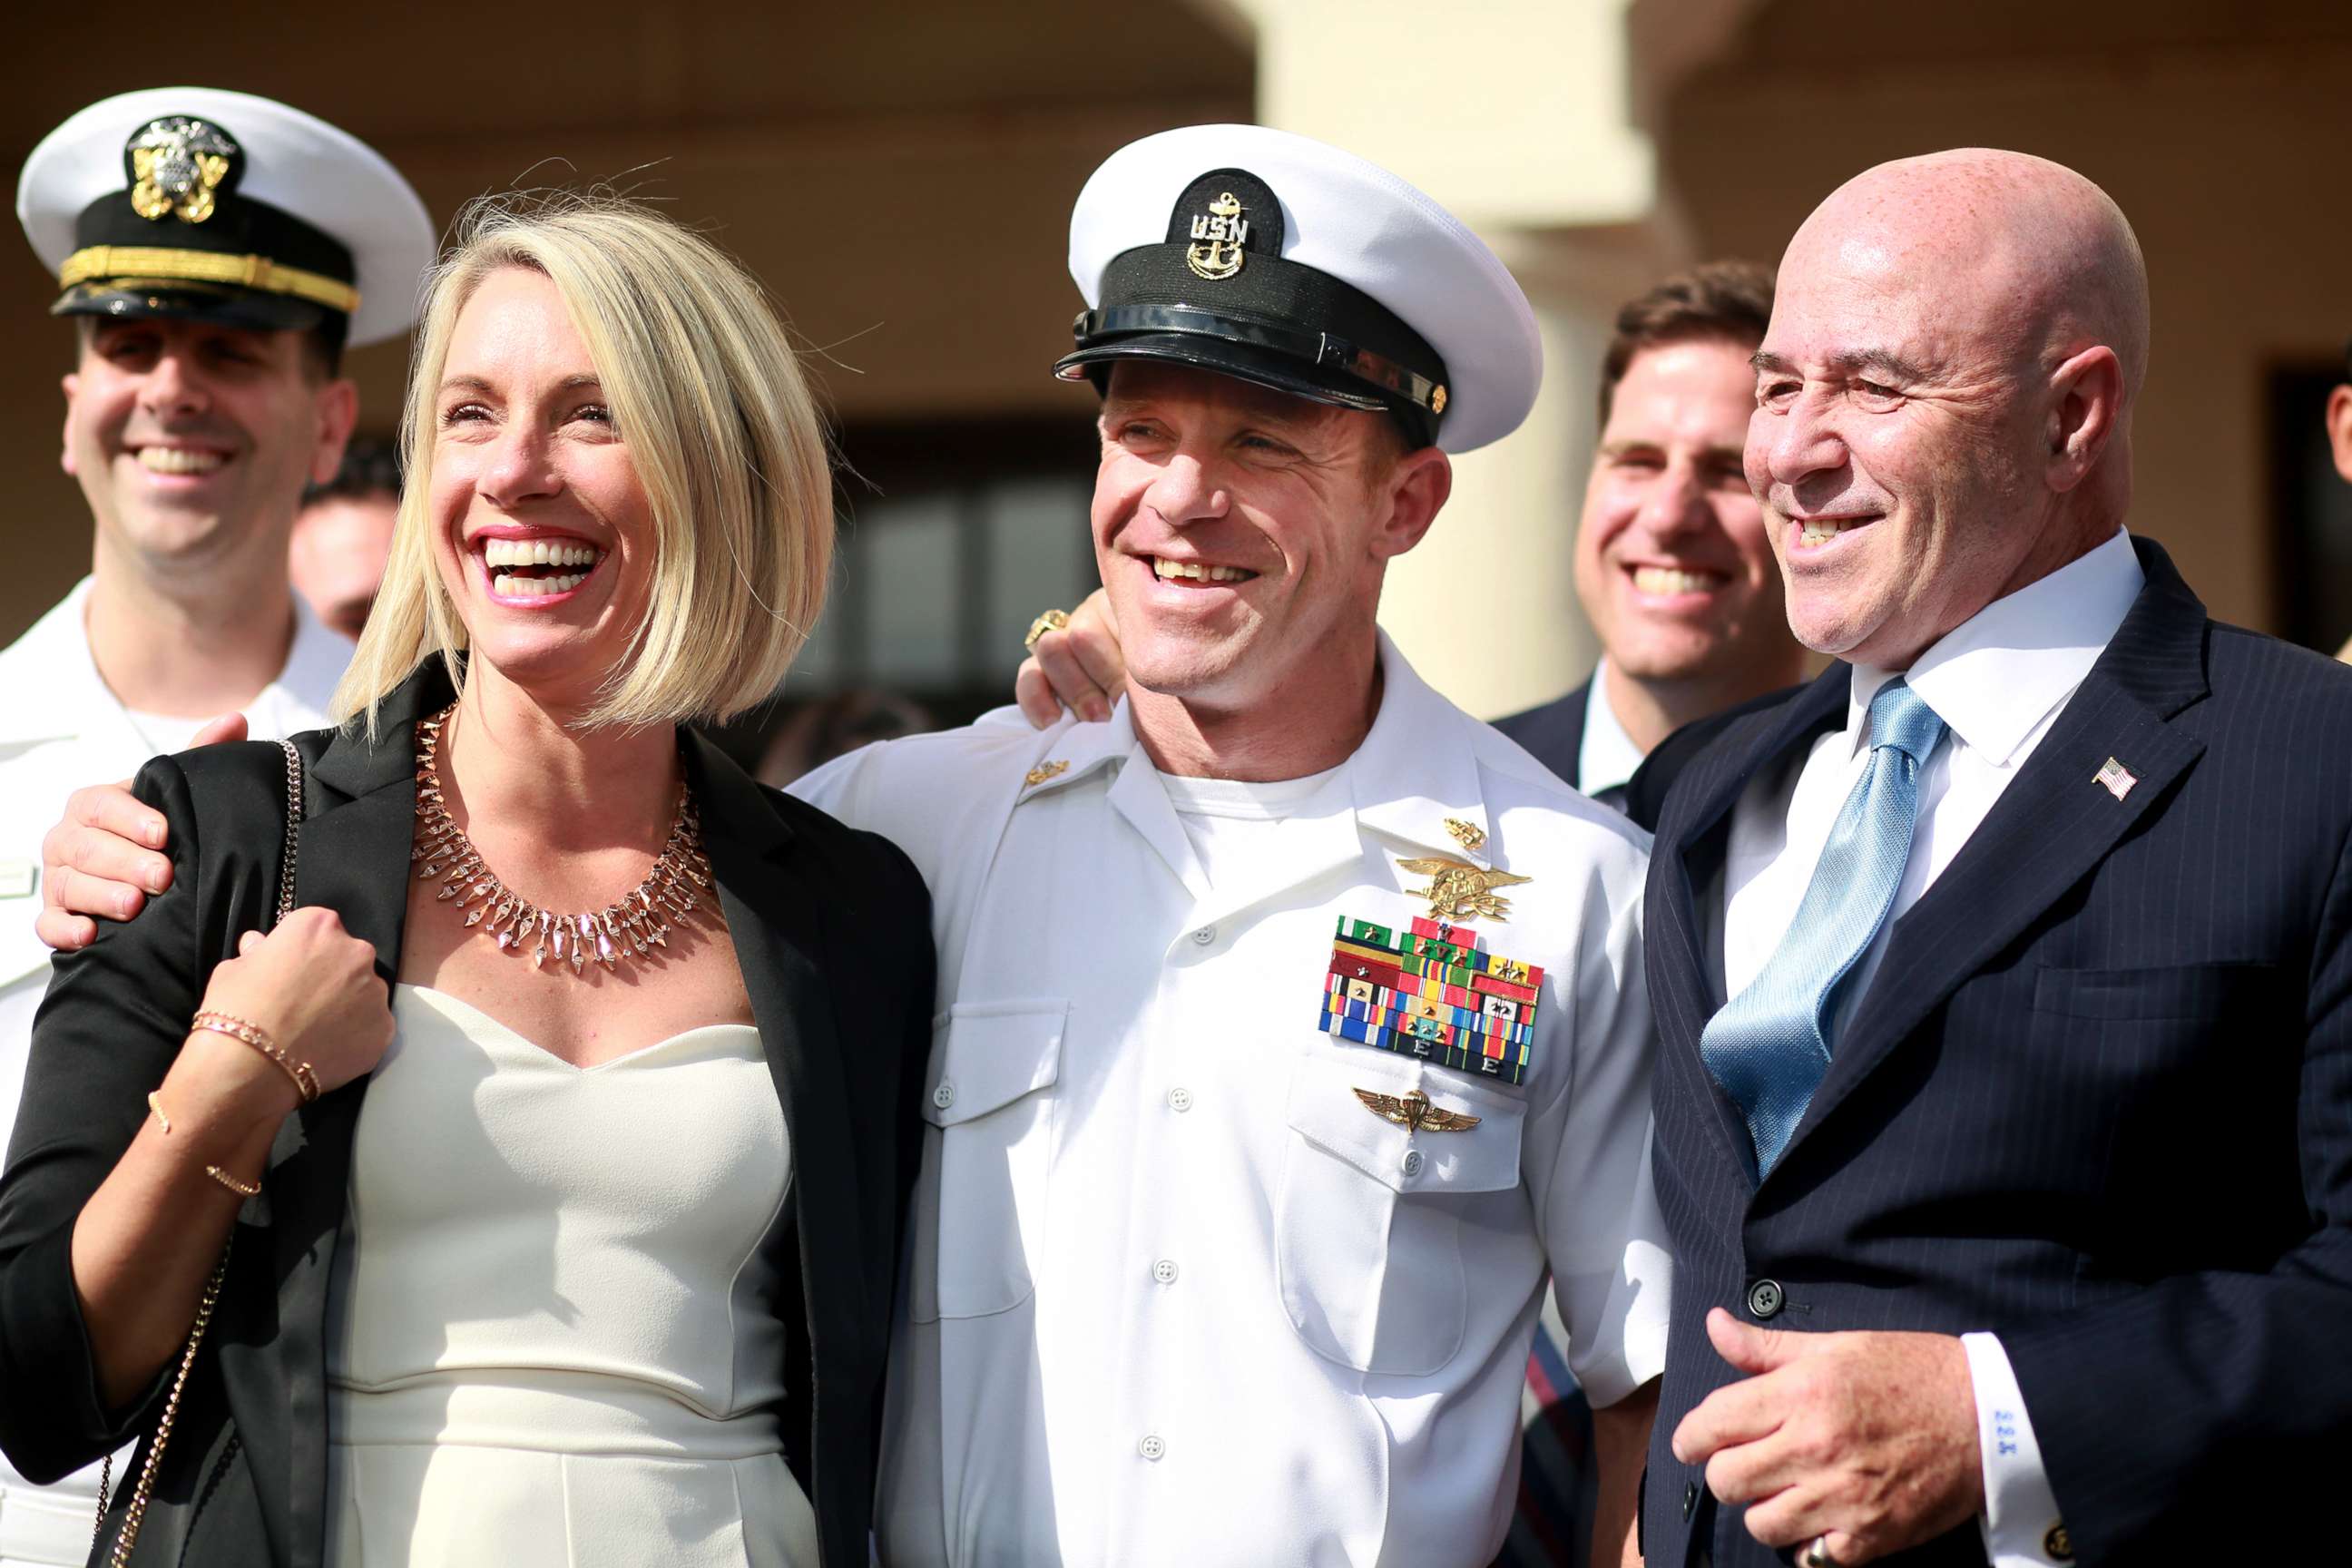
2019, 1522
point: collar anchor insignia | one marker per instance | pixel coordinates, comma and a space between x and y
178, 165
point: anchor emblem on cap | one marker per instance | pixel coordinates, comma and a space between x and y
177, 166
1218, 235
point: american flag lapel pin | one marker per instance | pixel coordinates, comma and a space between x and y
2114, 778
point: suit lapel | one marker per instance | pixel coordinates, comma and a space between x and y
778, 933
352, 859
1689, 854
1571, 735
2049, 829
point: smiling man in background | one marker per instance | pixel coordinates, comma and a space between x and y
1672, 567
215, 252
342, 535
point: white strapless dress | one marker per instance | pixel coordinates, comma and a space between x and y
555, 1342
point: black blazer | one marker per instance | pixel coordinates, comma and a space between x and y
1554, 733
2098, 1099
831, 929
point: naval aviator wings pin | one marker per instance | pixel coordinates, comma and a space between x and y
1412, 1111
1430, 993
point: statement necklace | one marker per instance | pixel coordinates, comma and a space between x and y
628, 930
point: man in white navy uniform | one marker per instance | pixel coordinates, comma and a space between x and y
215, 252
1241, 1186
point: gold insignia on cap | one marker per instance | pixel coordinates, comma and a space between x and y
177, 165
1437, 401
1412, 1111
1457, 888
1218, 235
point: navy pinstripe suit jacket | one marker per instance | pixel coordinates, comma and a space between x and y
2097, 1100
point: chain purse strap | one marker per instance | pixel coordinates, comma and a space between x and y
136, 1514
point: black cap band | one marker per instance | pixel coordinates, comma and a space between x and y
240, 226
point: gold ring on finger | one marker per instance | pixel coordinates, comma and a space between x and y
1051, 621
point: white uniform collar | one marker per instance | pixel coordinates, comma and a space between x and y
1997, 675
314, 664
1607, 758
1414, 770
51, 696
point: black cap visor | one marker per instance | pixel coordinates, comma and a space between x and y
1262, 367
131, 299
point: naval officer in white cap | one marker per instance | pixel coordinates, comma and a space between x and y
1295, 1033
215, 253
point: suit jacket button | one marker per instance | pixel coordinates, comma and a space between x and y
1690, 1500
1765, 1298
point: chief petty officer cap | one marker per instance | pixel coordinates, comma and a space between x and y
221, 206
1283, 261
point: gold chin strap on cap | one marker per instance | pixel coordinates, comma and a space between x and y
136, 265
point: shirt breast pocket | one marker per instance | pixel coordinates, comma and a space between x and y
1367, 1222
980, 1208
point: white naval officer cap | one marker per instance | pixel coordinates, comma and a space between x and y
1280, 261
215, 205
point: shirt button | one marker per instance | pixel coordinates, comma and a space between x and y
1152, 1446
1164, 1271
1204, 936
1413, 1161
943, 1096
1765, 1298
1180, 1098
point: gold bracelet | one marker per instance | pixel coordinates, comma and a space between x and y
306, 1082
242, 1189
155, 1104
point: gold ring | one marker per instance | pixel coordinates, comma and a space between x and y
1051, 621
1817, 1555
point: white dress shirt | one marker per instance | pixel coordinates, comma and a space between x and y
62, 727
1174, 1294
1607, 757
1998, 680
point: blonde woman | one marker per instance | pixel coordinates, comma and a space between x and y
580, 1250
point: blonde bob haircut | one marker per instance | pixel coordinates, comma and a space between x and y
707, 393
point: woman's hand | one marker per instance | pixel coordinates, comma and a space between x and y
312, 987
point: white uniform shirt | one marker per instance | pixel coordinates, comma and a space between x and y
62, 727
1175, 1295
1998, 680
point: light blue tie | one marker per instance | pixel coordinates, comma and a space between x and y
1770, 1045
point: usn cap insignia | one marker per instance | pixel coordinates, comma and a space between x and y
177, 167
1218, 235
1431, 994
